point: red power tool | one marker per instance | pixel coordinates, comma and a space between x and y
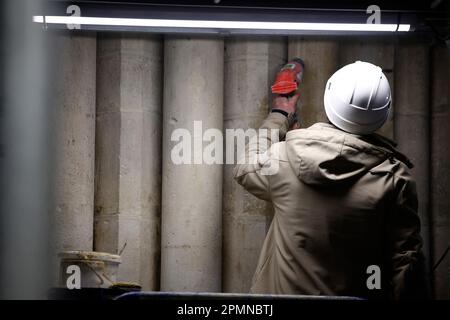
289, 77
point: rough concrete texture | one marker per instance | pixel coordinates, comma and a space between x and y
191, 193
250, 68
440, 168
412, 119
320, 56
74, 141
128, 148
378, 52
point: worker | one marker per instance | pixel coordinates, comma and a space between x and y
345, 206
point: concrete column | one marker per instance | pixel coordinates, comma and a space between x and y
191, 193
321, 61
250, 68
128, 148
412, 121
440, 168
378, 52
74, 140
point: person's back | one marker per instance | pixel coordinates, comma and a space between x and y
345, 207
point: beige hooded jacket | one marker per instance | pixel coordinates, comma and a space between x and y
342, 203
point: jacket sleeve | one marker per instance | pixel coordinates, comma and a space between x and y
249, 170
407, 274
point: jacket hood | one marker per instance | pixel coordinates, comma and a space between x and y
324, 154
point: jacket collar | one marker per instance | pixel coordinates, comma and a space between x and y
375, 139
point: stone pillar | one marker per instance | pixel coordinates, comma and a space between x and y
380, 53
412, 122
192, 192
250, 68
128, 148
321, 61
74, 138
440, 168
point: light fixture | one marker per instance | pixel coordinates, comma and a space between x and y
220, 26
228, 17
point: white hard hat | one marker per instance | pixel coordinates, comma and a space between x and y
357, 98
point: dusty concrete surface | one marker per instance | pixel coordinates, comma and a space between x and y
73, 128
191, 243
74, 141
250, 68
412, 121
128, 148
440, 168
321, 61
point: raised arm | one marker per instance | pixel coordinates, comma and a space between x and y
249, 172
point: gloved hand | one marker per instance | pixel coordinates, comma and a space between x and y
284, 103
287, 106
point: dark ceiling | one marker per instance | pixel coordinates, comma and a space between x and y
402, 5
428, 15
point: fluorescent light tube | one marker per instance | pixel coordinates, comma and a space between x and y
403, 27
211, 24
